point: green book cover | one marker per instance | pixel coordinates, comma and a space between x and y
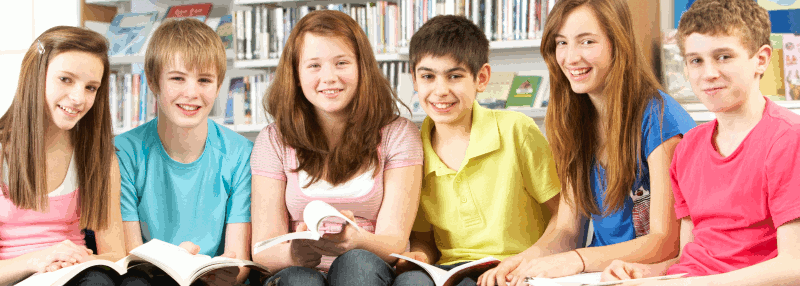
523, 91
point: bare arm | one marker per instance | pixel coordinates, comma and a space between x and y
133, 235
563, 233
111, 241
662, 242
396, 216
270, 219
237, 240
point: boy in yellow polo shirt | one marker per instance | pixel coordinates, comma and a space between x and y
489, 183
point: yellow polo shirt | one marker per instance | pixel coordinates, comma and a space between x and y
493, 205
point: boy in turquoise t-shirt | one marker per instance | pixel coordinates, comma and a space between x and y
184, 178
735, 179
489, 183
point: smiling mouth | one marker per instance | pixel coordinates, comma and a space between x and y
331, 92
443, 105
68, 110
577, 72
188, 107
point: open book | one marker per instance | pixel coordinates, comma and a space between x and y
447, 278
589, 279
185, 268
313, 215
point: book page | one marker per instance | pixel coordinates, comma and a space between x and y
438, 275
263, 245
174, 260
486, 262
573, 280
63, 275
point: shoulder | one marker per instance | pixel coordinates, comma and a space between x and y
516, 125
696, 136
665, 102
269, 135
398, 125
784, 122
138, 138
228, 141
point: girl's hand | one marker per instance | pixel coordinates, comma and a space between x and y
335, 244
405, 265
552, 266
620, 270
500, 274
302, 254
60, 264
65, 251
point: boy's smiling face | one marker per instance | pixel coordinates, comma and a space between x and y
446, 89
721, 71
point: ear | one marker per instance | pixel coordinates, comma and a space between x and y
482, 80
414, 79
763, 57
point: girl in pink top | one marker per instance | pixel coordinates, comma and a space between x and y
60, 172
338, 138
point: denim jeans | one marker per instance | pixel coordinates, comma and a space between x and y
354, 268
420, 277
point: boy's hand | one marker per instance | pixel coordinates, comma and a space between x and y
302, 254
405, 265
335, 244
190, 247
500, 274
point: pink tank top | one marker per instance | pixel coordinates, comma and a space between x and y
25, 231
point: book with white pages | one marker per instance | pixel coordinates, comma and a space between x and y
314, 214
179, 264
590, 279
443, 277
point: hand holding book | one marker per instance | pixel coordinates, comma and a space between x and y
335, 244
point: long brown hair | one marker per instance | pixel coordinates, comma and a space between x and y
23, 126
571, 118
373, 107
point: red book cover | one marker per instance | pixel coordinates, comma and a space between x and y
197, 11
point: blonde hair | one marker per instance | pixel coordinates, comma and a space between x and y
195, 43
23, 126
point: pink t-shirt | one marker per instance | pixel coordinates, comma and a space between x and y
25, 231
401, 146
737, 202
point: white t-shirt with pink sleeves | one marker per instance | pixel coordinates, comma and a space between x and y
401, 146
25, 231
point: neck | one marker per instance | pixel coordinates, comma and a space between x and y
56, 139
459, 130
599, 103
184, 145
332, 127
744, 117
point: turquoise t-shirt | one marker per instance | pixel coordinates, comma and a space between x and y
177, 202
633, 220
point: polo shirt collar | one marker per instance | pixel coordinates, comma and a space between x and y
484, 138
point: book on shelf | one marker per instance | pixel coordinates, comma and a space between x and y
128, 33
179, 264
235, 93
225, 31
791, 66
523, 91
496, 93
196, 11
443, 277
131, 102
314, 214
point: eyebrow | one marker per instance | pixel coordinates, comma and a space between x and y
715, 51
455, 69
76, 76
579, 35
336, 57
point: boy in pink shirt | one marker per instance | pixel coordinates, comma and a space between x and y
736, 179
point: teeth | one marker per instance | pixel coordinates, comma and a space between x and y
443, 105
68, 110
188, 107
580, 71
330, 91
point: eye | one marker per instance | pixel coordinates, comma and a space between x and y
455, 76
561, 43
176, 78
206, 80
313, 66
723, 57
695, 61
65, 79
341, 63
426, 76
91, 88
587, 42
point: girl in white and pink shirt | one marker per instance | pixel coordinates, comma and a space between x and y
59, 171
337, 137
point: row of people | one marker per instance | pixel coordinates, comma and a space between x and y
663, 196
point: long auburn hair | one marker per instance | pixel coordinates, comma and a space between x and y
373, 107
22, 130
571, 118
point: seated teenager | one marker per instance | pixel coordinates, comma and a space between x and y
735, 179
59, 172
184, 177
338, 138
613, 132
490, 183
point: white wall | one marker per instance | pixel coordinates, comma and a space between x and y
23, 21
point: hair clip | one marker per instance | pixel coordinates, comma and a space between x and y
41, 47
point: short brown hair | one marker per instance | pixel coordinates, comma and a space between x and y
450, 36
372, 108
196, 43
742, 18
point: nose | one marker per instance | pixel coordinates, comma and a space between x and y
709, 71
572, 55
78, 95
192, 90
440, 87
327, 74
